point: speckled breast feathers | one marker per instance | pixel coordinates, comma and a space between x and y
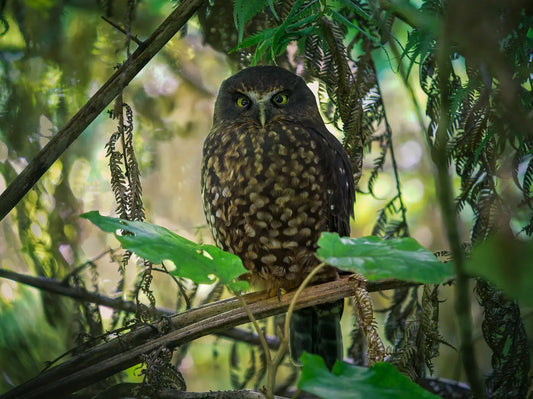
273, 177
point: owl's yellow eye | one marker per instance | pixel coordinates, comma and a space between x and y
243, 102
280, 99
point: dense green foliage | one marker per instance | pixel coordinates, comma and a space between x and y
432, 99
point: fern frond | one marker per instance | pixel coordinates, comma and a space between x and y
235, 361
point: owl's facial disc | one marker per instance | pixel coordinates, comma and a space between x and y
262, 103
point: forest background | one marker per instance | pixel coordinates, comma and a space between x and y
55, 55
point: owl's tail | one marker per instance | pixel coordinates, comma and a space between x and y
317, 330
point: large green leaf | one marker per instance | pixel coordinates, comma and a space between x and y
375, 258
381, 381
200, 263
506, 262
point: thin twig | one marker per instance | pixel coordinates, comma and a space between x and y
409, 87
257, 327
182, 72
438, 153
268, 357
388, 133
122, 30
178, 283
302, 286
79, 268
285, 339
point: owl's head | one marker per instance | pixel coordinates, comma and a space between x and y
261, 94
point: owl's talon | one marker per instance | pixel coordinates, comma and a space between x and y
272, 292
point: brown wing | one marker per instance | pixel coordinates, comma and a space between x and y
338, 167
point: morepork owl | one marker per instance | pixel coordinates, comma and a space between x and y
273, 179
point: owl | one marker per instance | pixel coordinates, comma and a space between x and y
273, 178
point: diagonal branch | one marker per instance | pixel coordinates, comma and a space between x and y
96, 104
126, 350
409, 14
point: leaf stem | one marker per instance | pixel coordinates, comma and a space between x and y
295, 299
405, 78
271, 370
388, 133
258, 329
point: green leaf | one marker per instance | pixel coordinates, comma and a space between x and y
506, 262
245, 10
301, 21
264, 35
375, 258
381, 381
343, 20
156, 244
227, 267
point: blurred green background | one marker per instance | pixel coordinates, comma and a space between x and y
53, 58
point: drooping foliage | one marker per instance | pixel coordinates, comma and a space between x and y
476, 55
489, 136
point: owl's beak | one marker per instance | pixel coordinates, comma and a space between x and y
262, 113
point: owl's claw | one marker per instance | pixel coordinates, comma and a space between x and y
272, 292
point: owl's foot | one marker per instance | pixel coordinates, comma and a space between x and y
272, 292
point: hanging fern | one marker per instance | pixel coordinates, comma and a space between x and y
478, 141
239, 378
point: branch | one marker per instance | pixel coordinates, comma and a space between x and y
96, 104
131, 390
241, 394
409, 14
126, 351
80, 294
